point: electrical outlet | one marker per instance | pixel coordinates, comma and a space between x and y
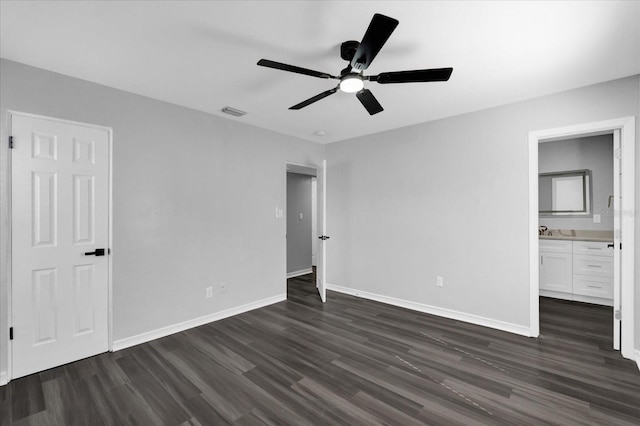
223, 288
209, 293
439, 281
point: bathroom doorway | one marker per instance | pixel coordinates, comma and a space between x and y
576, 227
623, 132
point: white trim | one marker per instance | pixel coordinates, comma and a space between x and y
60, 120
196, 322
626, 125
109, 131
534, 246
434, 310
4, 378
307, 166
9, 255
637, 353
110, 245
298, 273
576, 297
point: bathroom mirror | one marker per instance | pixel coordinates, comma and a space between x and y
565, 194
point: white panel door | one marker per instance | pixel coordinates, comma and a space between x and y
60, 216
321, 268
617, 191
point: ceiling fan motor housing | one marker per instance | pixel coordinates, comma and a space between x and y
348, 49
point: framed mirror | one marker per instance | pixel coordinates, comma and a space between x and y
565, 194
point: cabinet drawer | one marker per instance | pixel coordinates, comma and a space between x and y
555, 246
594, 248
593, 286
600, 266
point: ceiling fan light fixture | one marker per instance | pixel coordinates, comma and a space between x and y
352, 83
360, 55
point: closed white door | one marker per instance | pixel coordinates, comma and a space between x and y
321, 268
60, 221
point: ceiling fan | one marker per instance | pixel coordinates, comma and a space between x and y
360, 55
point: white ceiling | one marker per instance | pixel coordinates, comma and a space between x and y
203, 54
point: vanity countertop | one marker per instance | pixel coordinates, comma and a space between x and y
577, 235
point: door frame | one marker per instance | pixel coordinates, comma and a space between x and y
6, 262
309, 168
626, 126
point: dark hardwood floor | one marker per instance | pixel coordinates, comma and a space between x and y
350, 361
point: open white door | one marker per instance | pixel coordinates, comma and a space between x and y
617, 271
321, 268
60, 232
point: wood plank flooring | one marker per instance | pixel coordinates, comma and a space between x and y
350, 361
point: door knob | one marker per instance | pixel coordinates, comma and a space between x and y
98, 252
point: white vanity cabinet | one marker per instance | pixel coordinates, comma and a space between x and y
593, 269
577, 270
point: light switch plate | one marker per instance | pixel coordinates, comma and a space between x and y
596, 218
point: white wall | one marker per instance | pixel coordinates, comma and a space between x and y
194, 198
298, 230
450, 198
594, 153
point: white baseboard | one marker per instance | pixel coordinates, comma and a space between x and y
637, 352
433, 310
298, 273
576, 297
196, 322
4, 378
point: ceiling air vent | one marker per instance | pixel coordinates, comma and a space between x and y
233, 111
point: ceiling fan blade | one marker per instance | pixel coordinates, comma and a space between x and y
369, 101
292, 68
416, 76
316, 98
375, 37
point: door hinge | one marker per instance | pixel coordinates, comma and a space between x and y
10, 142
10, 333
618, 153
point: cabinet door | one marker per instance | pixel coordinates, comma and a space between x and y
556, 272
